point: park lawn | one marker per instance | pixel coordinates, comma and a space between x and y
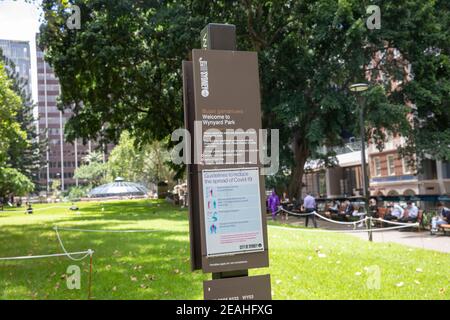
303, 265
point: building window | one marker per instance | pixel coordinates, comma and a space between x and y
407, 169
446, 170
377, 167
391, 165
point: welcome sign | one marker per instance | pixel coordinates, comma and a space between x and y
228, 228
227, 113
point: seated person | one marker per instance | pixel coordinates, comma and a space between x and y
349, 209
334, 209
295, 204
444, 214
396, 212
360, 215
356, 212
410, 213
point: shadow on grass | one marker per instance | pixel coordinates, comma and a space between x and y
151, 265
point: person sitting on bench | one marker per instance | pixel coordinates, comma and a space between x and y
410, 213
334, 209
444, 214
396, 212
348, 211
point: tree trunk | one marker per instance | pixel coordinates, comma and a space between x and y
300, 156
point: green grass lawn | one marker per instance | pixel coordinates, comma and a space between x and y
303, 265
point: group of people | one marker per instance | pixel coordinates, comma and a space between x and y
404, 214
409, 213
309, 206
346, 211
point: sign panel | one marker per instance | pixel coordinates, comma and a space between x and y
227, 108
231, 199
239, 288
226, 119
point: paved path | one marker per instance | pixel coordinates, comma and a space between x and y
409, 238
416, 239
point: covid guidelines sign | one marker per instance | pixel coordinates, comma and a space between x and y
232, 210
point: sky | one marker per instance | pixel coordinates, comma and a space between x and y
20, 21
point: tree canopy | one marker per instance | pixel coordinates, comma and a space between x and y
147, 164
25, 156
12, 181
93, 171
121, 70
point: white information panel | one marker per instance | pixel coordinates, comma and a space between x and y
232, 208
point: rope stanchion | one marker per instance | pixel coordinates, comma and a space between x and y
340, 222
391, 222
322, 217
86, 253
346, 231
369, 227
90, 278
295, 213
89, 252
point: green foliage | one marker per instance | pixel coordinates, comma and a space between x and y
146, 164
76, 193
10, 131
93, 171
26, 156
133, 81
12, 181
94, 156
124, 65
56, 188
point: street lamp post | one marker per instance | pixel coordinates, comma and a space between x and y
357, 88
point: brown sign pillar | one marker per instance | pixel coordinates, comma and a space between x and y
221, 92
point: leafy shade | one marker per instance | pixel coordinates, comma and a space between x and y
26, 154
93, 171
146, 164
121, 70
14, 182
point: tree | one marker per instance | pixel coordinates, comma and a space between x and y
94, 156
146, 164
56, 188
93, 171
12, 181
25, 156
122, 69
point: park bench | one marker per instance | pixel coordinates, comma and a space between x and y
381, 212
419, 221
444, 228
